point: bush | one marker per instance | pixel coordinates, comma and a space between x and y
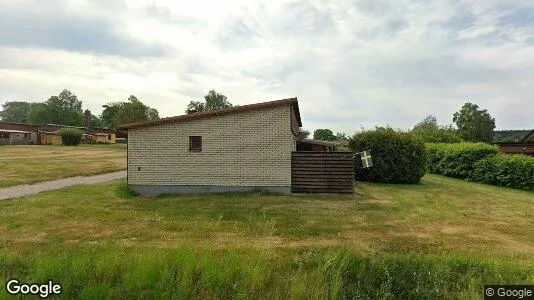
70, 136
515, 171
123, 191
457, 160
439, 136
398, 157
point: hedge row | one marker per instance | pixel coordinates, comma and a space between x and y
398, 157
481, 163
457, 160
514, 171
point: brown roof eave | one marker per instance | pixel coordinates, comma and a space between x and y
219, 112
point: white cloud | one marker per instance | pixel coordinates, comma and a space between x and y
352, 64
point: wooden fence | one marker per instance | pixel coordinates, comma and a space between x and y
322, 172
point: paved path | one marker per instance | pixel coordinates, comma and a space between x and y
31, 189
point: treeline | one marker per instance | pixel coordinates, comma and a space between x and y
510, 136
473, 124
66, 109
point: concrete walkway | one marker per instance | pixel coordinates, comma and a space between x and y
31, 189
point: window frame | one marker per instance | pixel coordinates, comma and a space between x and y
191, 148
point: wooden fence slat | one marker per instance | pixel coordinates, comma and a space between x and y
322, 172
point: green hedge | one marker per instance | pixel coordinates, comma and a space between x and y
70, 136
439, 136
398, 157
515, 171
457, 160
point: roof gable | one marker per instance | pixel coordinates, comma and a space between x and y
529, 137
219, 112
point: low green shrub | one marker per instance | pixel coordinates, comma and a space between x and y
514, 171
457, 160
123, 191
440, 136
398, 157
70, 136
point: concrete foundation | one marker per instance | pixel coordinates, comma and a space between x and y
204, 189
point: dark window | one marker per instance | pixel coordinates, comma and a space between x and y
109, 136
195, 143
4, 135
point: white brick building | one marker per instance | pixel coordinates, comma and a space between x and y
236, 149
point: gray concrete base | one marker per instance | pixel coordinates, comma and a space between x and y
203, 189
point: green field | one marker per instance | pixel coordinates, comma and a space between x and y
33, 163
443, 238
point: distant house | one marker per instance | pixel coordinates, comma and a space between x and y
315, 145
48, 134
18, 133
525, 146
14, 137
236, 149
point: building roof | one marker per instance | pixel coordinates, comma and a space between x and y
318, 142
50, 127
219, 112
48, 132
13, 131
529, 136
17, 123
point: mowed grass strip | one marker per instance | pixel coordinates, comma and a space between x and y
441, 238
439, 215
34, 163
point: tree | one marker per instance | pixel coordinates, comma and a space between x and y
15, 111
134, 111
429, 123
65, 109
39, 114
474, 124
303, 134
96, 121
341, 136
324, 135
432, 132
212, 101
109, 114
510, 136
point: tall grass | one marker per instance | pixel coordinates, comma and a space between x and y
313, 273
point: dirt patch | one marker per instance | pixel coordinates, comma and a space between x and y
379, 201
32, 238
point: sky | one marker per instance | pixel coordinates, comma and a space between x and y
352, 64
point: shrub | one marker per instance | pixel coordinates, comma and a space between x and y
515, 171
439, 136
70, 136
342, 149
123, 191
457, 160
398, 157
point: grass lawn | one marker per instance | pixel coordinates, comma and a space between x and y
33, 163
443, 238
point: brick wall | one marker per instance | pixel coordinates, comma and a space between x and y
250, 148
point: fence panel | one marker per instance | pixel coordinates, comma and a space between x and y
322, 172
